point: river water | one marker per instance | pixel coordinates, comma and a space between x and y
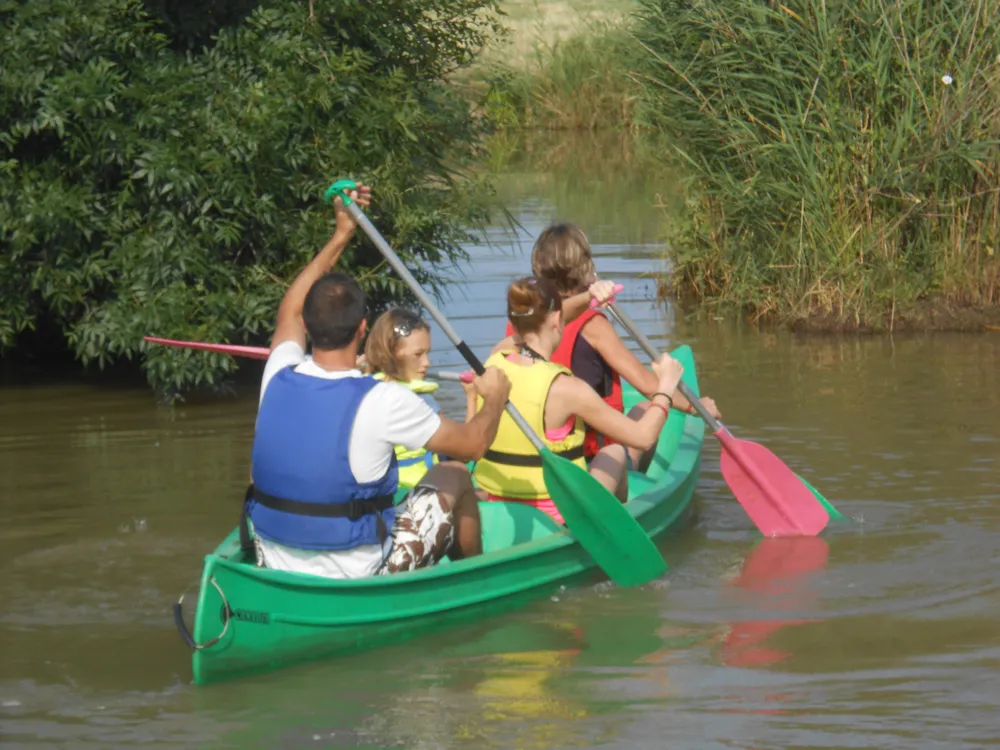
881, 633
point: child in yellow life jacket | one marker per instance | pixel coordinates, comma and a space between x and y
397, 349
557, 404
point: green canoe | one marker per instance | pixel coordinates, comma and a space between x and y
270, 619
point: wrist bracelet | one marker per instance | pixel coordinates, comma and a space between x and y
666, 411
665, 395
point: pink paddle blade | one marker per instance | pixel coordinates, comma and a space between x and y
774, 498
253, 352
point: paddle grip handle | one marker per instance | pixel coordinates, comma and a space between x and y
618, 288
390, 255
341, 188
629, 325
234, 350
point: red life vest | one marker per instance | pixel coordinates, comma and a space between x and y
590, 367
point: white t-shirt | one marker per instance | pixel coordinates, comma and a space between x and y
389, 415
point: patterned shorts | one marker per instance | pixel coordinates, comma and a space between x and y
422, 534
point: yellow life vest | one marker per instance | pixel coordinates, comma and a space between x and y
512, 467
414, 464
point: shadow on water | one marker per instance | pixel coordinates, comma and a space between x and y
882, 633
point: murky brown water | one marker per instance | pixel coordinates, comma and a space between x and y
879, 634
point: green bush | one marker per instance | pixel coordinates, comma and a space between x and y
162, 165
844, 155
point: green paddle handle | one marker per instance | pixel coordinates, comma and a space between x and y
341, 188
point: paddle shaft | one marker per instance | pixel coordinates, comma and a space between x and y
233, 350
390, 255
261, 352
627, 323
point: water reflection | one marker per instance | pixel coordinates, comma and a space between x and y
528, 674
776, 577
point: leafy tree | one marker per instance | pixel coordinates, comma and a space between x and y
161, 164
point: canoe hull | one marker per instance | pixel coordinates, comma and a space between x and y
268, 619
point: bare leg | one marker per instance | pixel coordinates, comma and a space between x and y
453, 483
608, 468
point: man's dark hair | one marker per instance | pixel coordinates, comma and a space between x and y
333, 310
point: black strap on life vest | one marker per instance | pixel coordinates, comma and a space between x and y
353, 510
533, 460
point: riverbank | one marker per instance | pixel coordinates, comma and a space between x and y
833, 180
926, 315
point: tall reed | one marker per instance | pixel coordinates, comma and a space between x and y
844, 153
580, 82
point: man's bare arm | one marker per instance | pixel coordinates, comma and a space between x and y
470, 440
290, 326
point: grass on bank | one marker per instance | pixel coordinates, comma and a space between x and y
534, 23
844, 157
563, 66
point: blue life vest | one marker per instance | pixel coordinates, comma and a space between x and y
301, 458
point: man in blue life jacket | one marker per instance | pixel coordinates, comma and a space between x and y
324, 466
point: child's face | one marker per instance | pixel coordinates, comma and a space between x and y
412, 355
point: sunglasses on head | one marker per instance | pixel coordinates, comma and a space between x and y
404, 328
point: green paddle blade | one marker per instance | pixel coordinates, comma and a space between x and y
601, 524
835, 515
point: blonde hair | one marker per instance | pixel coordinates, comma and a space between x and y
392, 326
529, 301
562, 255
